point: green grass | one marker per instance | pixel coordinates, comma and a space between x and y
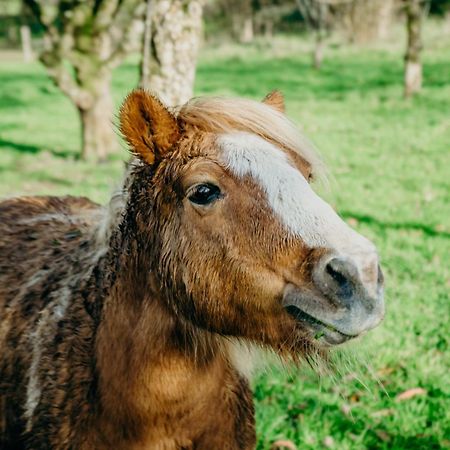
390, 164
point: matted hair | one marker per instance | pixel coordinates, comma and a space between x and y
225, 115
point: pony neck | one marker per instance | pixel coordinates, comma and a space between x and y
140, 340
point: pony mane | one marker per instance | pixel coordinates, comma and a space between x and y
226, 115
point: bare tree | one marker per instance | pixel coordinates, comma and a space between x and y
25, 39
413, 65
84, 41
316, 15
367, 20
242, 18
171, 42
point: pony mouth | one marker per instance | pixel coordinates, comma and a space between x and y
321, 331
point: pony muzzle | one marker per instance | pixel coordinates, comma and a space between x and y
344, 301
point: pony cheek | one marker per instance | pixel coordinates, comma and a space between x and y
254, 302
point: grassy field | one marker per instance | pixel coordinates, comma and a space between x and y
390, 161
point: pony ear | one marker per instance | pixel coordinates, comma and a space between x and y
148, 126
275, 99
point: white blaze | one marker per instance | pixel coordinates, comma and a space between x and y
289, 195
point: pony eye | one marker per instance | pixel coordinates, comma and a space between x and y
204, 194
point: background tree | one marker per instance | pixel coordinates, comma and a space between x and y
171, 43
270, 16
83, 42
367, 20
413, 65
241, 13
25, 39
316, 14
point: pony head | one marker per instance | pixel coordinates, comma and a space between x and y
241, 244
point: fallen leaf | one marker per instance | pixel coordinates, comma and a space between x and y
383, 413
283, 444
429, 195
346, 409
410, 393
385, 371
350, 376
383, 435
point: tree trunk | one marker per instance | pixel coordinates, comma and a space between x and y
318, 50
246, 35
25, 38
369, 20
176, 32
241, 13
146, 43
268, 29
385, 18
98, 137
319, 47
413, 65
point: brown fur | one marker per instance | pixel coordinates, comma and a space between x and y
150, 129
276, 100
130, 335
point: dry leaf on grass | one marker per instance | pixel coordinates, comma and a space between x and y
346, 409
383, 435
355, 398
410, 393
383, 413
283, 444
385, 371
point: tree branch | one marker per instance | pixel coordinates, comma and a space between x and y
334, 2
105, 12
64, 80
47, 25
128, 15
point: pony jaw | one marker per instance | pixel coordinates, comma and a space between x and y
319, 330
326, 321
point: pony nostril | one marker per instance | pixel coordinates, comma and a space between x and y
340, 271
340, 279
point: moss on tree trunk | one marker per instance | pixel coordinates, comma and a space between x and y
175, 38
98, 137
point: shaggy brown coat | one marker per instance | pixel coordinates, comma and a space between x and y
115, 323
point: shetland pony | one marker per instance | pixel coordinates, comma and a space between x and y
121, 326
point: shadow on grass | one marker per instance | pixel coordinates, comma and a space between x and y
17, 87
33, 149
426, 229
54, 180
336, 78
405, 442
8, 101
